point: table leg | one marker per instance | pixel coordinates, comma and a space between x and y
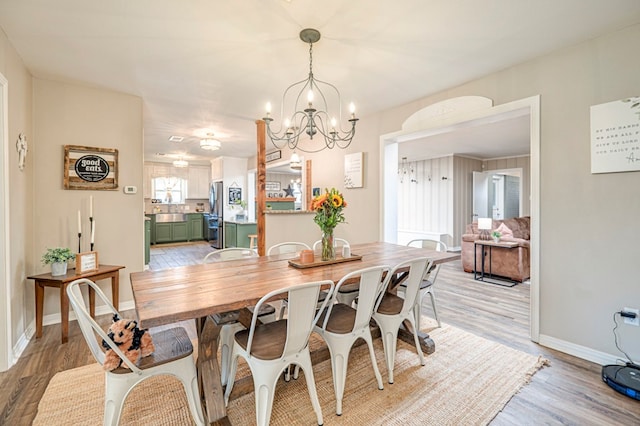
39, 308
115, 289
209, 371
426, 343
64, 313
92, 302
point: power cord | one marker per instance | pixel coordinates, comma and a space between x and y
615, 337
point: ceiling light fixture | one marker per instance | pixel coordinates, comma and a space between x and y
180, 163
209, 143
295, 162
306, 118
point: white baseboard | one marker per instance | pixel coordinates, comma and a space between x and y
100, 310
30, 331
581, 352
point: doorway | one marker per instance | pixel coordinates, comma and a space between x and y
6, 351
497, 194
431, 121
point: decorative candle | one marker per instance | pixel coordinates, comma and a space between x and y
79, 223
93, 230
91, 206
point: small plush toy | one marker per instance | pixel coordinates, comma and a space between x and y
132, 341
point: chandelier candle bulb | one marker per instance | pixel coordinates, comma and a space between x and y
268, 108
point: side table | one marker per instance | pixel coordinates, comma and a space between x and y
61, 282
480, 275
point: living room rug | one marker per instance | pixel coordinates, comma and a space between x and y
468, 380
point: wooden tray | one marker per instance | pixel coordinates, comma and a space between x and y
339, 259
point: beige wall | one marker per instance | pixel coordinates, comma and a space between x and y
21, 191
589, 230
67, 114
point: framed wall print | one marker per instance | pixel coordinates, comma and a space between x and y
235, 196
272, 186
353, 170
86, 262
90, 168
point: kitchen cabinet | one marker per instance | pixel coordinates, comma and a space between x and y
194, 221
171, 232
284, 203
236, 234
152, 225
147, 240
198, 183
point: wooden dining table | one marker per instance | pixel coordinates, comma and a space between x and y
198, 292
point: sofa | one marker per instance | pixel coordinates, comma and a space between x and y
511, 263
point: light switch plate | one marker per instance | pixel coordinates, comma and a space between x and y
130, 189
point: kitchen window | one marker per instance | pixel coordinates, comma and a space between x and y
171, 190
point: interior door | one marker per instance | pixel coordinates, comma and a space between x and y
480, 195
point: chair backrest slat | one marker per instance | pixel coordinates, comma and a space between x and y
417, 268
370, 287
302, 314
88, 326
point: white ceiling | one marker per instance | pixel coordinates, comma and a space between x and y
211, 65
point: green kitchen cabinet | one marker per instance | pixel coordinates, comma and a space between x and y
171, 232
236, 234
152, 225
195, 226
164, 232
180, 231
147, 240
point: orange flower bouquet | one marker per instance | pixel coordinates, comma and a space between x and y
328, 208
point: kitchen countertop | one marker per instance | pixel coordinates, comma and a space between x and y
243, 222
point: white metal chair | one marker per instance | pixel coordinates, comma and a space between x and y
349, 292
270, 348
173, 356
284, 248
428, 244
428, 281
231, 253
287, 247
393, 310
342, 325
267, 314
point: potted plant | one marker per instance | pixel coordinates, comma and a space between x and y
496, 236
58, 258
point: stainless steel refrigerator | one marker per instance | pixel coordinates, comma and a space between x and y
216, 215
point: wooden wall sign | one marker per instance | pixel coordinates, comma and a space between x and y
90, 168
86, 262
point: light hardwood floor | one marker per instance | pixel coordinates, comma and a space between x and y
568, 392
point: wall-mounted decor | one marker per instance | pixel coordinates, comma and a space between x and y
273, 156
615, 136
22, 148
353, 170
235, 196
272, 186
90, 168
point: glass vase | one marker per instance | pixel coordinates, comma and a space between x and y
328, 251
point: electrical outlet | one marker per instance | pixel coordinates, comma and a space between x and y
632, 321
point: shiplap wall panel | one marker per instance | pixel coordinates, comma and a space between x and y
463, 195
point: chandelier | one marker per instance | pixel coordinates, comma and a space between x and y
209, 143
180, 163
307, 118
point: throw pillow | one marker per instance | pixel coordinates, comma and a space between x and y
504, 231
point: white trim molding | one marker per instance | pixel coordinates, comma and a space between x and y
582, 352
7, 356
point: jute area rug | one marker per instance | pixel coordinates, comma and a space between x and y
468, 380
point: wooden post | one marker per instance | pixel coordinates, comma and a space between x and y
307, 188
260, 182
